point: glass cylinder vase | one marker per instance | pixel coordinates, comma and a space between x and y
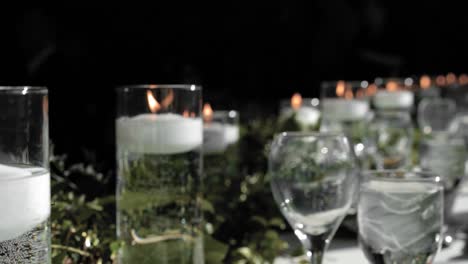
24, 175
159, 161
345, 109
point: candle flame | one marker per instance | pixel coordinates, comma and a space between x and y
425, 82
463, 79
154, 106
340, 88
360, 93
296, 101
440, 80
168, 100
207, 113
392, 86
451, 78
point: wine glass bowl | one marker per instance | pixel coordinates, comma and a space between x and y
313, 179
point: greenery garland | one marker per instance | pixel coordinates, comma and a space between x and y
242, 222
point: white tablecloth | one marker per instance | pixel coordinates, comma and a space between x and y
354, 255
345, 251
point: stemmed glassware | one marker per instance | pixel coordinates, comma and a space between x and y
314, 177
446, 155
436, 114
400, 216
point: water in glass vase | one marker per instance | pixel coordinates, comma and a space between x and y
25, 207
158, 214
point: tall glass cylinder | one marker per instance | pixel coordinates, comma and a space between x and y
391, 129
24, 175
159, 138
345, 109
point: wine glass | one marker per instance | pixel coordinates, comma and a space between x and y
400, 216
446, 154
435, 114
314, 177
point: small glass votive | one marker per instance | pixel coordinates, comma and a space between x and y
400, 216
427, 88
220, 129
24, 176
304, 111
159, 159
394, 94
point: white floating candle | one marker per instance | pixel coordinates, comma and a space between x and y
306, 116
394, 99
231, 135
25, 200
159, 133
344, 109
217, 136
214, 138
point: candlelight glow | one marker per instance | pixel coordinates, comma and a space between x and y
360, 93
392, 86
425, 82
207, 112
440, 80
153, 105
168, 100
463, 79
186, 113
296, 101
371, 90
451, 78
340, 88
349, 94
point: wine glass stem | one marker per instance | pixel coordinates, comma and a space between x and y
315, 246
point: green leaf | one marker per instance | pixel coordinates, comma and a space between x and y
215, 251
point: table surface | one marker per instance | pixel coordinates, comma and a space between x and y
345, 250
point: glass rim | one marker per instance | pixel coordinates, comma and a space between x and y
23, 89
392, 176
407, 81
300, 134
353, 83
225, 113
189, 87
34, 174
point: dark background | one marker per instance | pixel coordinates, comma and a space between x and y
246, 55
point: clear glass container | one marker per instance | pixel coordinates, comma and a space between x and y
220, 129
436, 114
24, 175
446, 154
304, 111
391, 139
400, 216
391, 129
159, 159
314, 178
345, 109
